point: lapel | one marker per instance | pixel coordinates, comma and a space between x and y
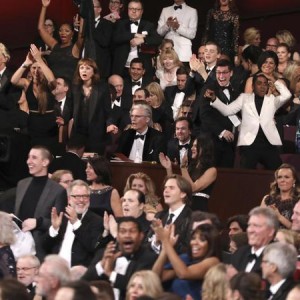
22, 188
146, 148
93, 102
141, 26
252, 105
43, 198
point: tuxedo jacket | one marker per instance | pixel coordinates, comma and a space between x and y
121, 42
251, 120
154, 144
69, 161
283, 291
212, 121
183, 36
96, 115
143, 259
84, 244
241, 258
67, 112
102, 36
53, 195
182, 226
173, 151
128, 84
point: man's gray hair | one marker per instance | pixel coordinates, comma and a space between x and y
268, 213
147, 110
78, 182
58, 268
284, 256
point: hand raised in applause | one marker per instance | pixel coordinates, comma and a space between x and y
46, 3
56, 219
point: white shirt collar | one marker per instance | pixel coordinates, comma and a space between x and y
274, 288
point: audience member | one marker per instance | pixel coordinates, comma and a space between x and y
284, 56
199, 171
36, 195
272, 44
278, 266
284, 194
252, 37
64, 54
179, 23
27, 269
237, 241
142, 182
104, 197
132, 38
296, 218
76, 272
102, 289
141, 142
53, 273
74, 234
144, 283
285, 36
288, 236
12, 289
141, 94
63, 177
188, 270
258, 137
7, 238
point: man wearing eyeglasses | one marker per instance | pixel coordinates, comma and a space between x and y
212, 121
74, 233
141, 142
134, 37
27, 269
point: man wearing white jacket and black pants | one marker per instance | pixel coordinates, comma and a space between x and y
258, 138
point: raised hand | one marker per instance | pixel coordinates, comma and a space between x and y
165, 161
46, 3
56, 219
71, 214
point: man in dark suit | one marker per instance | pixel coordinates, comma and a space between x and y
174, 95
278, 267
133, 38
102, 35
141, 142
120, 260
221, 128
137, 78
71, 160
74, 234
262, 227
177, 193
36, 195
182, 143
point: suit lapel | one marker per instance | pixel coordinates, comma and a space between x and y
43, 198
20, 194
93, 102
146, 148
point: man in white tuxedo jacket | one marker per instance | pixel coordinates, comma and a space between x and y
179, 23
258, 137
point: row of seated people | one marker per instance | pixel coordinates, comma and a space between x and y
82, 237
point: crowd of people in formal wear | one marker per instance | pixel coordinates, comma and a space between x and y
119, 87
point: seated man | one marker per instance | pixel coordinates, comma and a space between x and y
141, 142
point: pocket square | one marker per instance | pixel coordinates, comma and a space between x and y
151, 151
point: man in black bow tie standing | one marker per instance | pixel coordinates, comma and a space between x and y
179, 23
134, 37
262, 227
221, 128
141, 142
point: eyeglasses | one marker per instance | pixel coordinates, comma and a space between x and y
134, 9
136, 116
77, 197
25, 269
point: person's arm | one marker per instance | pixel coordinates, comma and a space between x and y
46, 37
166, 163
203, 181
249, 86
188, 29
76, 50
116, 204
17, 78
158, 267
263, 201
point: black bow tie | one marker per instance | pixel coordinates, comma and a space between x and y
252, 257
139, 136
134, 22
225, 88
185, 146
178, 7
118, 99
138, 83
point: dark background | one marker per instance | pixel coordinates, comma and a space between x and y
18, 19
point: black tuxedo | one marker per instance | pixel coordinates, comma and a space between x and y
96, 127
143, 259
283, 291
121, 39
154, 144
86, 237
102, 36
213, 123
69, 161
242, 257
128, 84
173, 150
200, 82
182, 226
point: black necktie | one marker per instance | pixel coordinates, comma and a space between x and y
134, 22
139, 136
185, 146
252, 257
138, 83
170, 218
178, 7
